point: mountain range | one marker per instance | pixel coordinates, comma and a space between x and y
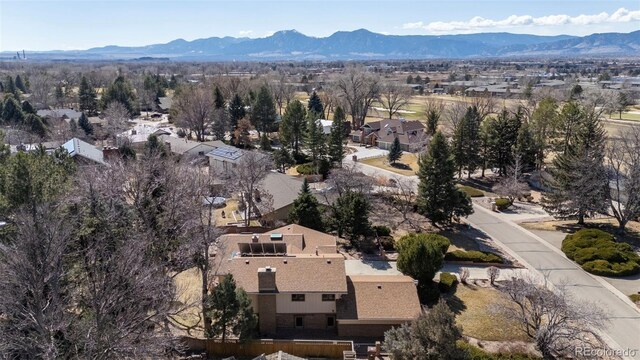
366, 45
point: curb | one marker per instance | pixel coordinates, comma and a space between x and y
600, 280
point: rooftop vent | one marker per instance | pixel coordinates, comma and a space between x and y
379, 286
267, 268
285, 261
246, 261
255, 238
328, 261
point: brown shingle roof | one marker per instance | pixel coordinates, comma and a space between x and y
383, 297
299, 274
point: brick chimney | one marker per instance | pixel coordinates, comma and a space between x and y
267, 279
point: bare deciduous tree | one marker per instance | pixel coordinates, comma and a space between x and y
556, 321
194, 106
511, 185
394, 97
493, 273
358, 89
117, 117
401, 197
623, 168
247, 176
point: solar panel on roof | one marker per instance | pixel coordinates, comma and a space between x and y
227, 152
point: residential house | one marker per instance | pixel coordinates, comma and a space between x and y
165, 103
189, 148
139, 134
297, 282
224, 158
66, 114
411, 133
84, 153
326, 125
284, 190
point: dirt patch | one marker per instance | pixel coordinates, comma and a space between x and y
189, 289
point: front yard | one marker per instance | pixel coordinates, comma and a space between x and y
407, 165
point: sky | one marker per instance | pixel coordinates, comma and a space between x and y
71, 25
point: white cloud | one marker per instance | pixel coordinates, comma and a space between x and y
621, 15
245, 32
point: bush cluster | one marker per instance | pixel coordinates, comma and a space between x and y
598, 253
635, 297
503, 204
447, 281
382, 230
471, 191
473, 256
308, 169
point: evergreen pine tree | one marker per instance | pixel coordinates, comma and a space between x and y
20, 84
73, 127
395, 151
85, 125
218, 99
87, 97
433, 117
305, 210
339, 115
282, 159
59, 95
36, 125
526, 147
27, 108
438, 198
579, 183
466, 142
315, 104
265, 143
336, 141
315, 141
502, 138
231, 311
263, 111
10, 87
120, 90
351, 216
293, 126
236, 110
12, 111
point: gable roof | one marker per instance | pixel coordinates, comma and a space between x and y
373, 297
226, 153
59, 113
181, 146
77, 147
283, 188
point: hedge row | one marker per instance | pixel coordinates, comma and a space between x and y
447, 281
473, 256
475, 353
471, 191
598, 253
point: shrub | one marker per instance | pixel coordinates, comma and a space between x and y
598, 253
388, 244
306, 169
447, 281
635, 297
473, 256
382, 230
471, 191
503, 204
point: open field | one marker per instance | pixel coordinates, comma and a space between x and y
634, 116
407, 165
477, 310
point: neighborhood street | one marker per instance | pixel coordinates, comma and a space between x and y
624, 327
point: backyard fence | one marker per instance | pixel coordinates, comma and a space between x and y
303, 348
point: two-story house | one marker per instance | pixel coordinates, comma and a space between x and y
297, 282
411, 134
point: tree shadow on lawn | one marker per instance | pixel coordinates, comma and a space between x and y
400, 166
456, 304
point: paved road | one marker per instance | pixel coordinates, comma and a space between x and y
624, 328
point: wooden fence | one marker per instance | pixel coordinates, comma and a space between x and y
304, 348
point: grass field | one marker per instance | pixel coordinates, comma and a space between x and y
633, 116
407, 165
478, 314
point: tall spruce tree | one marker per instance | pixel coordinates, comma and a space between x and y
293, 126
218, 98
351, 216
231, 311
395, 151
85, 125
526, 147
502, 138
120, 90
438, 197
579, 183
20, 84
87, 97
466, 142
336, 141
315, 104
263, 111
315, 140
236, 110
305, 210
10, 87
433, 117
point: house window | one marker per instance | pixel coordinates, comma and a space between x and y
328, 297
299, 322
297, 297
